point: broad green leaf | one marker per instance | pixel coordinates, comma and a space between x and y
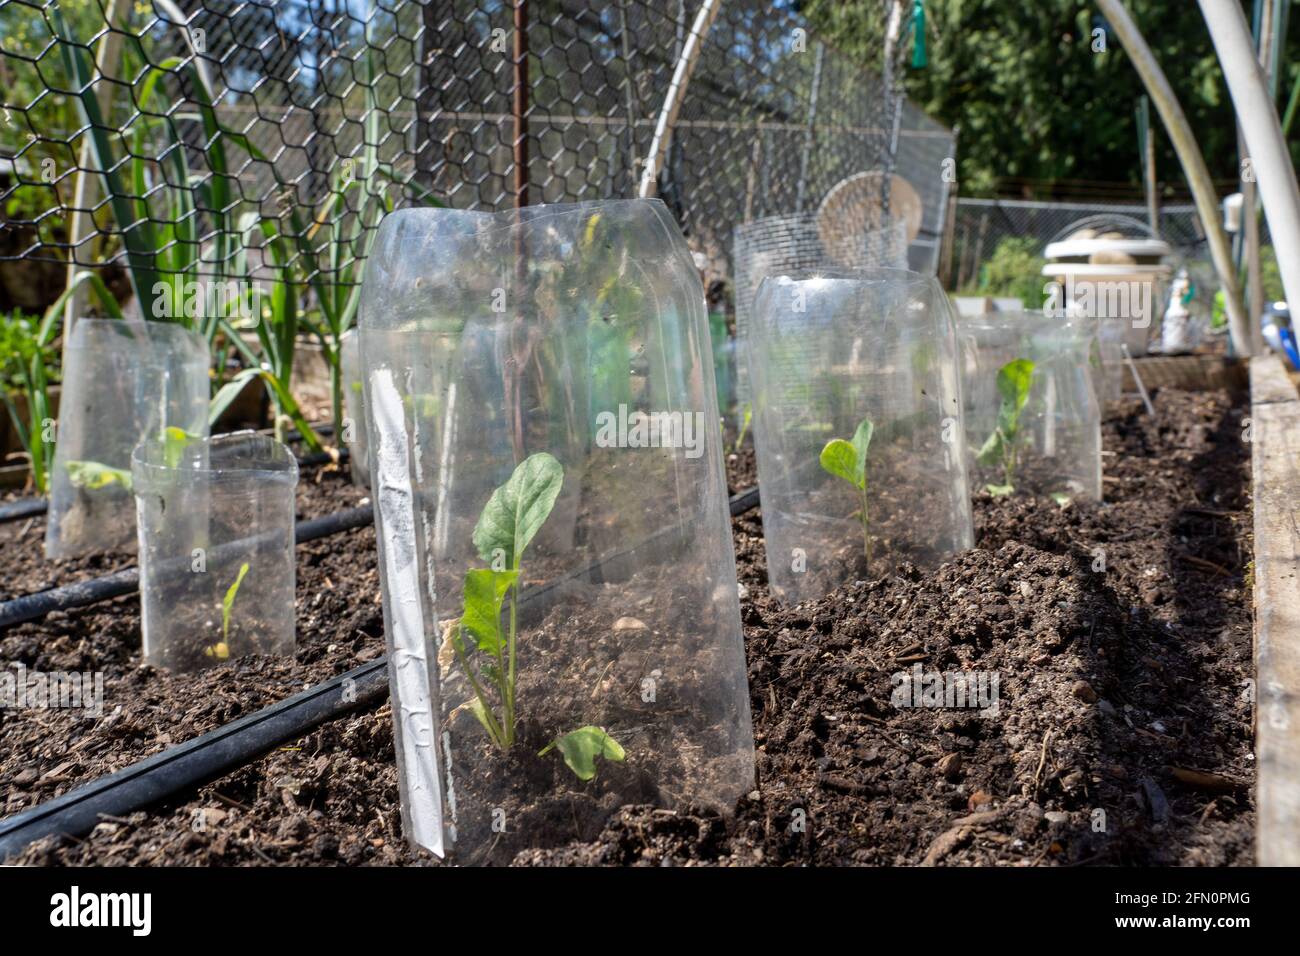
581, 747
228, 601
840, 459
861, 442
91, 475
485, 591
517, 510
1014, 380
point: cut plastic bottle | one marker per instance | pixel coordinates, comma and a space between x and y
1051, 444
216, 527
123, 382
555, 546
354, 409
857, 426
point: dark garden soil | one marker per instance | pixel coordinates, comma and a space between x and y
1120, 635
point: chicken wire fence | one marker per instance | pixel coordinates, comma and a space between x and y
980, 226
162, 136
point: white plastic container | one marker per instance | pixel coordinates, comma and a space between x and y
354, 422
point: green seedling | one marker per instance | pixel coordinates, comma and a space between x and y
1002, 448
745, 421
221, 651
581, 747
848, 460
175, 441
91, 475
487, 652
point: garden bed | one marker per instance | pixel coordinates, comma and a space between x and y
1119, 689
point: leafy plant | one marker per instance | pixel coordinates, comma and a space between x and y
1002, 447
848, 460
581, 747
510, 519
1014, 269
487, 650
221, 651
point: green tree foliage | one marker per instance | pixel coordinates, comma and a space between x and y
1033, 99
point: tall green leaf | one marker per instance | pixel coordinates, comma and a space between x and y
517, 510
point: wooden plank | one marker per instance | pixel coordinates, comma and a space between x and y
1275, 463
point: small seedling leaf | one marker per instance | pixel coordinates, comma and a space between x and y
228, 601
91, 475
581, 747
479, 710
517, 510
175, 441
485, 591
840, 459
1014, 380
998, 491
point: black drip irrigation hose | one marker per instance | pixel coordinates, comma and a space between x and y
196, 761
187, 766
34, 507
29, 607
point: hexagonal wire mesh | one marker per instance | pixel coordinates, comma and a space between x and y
207, 128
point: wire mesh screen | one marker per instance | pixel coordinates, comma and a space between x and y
790, 245
982, 225
169, 136
829, 240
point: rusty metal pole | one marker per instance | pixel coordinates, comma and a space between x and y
521, 103
520, 338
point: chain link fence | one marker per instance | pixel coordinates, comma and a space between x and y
153, 137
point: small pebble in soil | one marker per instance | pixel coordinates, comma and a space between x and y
1083, 690
629, 624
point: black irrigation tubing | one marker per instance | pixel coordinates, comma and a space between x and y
187, 766
22, 508
34, 507
194, 762
29, 607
